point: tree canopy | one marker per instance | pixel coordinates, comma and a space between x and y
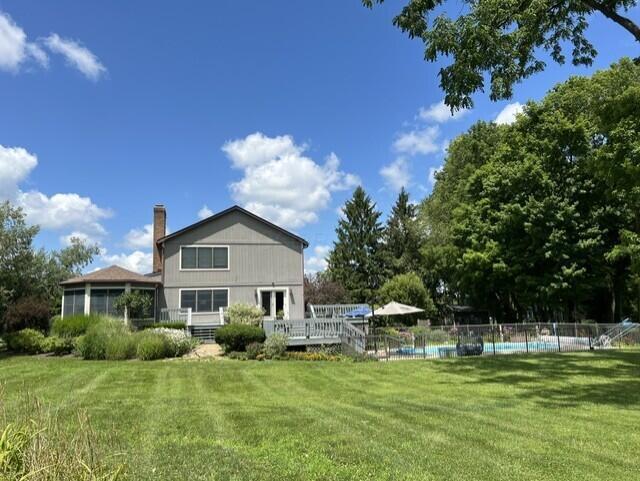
504, 39
28, 272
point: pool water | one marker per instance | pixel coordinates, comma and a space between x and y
446, 350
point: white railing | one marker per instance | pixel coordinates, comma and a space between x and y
333, 310
353, 338
304, 328
176, 315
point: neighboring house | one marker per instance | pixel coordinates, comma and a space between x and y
232, 257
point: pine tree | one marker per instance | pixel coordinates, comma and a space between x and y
357, 258
402, 242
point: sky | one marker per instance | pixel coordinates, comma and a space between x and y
282, 107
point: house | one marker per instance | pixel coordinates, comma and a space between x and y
231, 257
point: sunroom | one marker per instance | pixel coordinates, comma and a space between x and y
96, 293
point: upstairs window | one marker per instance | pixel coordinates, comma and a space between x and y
204, 257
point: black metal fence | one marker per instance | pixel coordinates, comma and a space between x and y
497, 339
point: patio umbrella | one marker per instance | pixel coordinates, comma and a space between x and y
396, 309
358, 312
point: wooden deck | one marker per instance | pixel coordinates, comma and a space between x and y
314, 331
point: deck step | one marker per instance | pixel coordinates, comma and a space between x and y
204, 333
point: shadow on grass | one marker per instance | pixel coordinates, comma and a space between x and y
602, 377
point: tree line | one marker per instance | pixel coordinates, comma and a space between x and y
537, 220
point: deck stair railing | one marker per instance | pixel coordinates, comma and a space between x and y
304, 328
353, 340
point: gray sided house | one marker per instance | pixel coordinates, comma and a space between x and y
232, 257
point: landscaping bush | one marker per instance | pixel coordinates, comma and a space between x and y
254, 350
178, 325
238, 356
27, 341
245, 314
275, 346
120, 347
73, 326
58, 345
430, 335
152, 345
27, 312
236, 337
314, 356
93, 345
178, 341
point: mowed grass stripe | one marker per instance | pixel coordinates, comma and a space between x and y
545, 417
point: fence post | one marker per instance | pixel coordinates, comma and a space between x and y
589, 337
493, 339
386, 346
526, 339
558, 336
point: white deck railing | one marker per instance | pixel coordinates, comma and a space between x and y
176, 315
333, 310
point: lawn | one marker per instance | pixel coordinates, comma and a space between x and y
543, 417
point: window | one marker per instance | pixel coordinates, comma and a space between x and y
102, 301
73, 302
205, 257
204, 300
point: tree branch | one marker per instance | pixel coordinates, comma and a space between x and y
611, 13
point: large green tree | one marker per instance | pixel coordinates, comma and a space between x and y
504, 39
29, 272
542, 217
401, 238
357, 258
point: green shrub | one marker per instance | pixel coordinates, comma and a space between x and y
120, 347
236, 337
179, 325
245, 314
238, 356
27, 341
254, 350
27, 313
151, 345
275, 346
314, 356
178, 341
430, 335
93, 345
58, 345
73, 326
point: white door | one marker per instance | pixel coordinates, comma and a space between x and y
275, 303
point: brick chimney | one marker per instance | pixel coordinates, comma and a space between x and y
159, 231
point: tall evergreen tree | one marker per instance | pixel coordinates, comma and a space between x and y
402, 242
357, 258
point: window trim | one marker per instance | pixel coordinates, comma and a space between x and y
195, 313
205, 269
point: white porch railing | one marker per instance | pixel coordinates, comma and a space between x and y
333, 310
176, 315
304, 328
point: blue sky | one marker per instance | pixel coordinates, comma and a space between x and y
107, 108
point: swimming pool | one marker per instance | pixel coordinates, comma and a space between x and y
447, 350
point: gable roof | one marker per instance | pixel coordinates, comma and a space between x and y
112, 274
235, 208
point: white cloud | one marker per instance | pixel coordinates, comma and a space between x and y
137, 261
432, 174
397, 174
15, 50
204, 212
318, 261
440, 113
418, 141
280, 183
57, 212
508, 114
65, 240
16, 164
77, 56
62, 211
140, 238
